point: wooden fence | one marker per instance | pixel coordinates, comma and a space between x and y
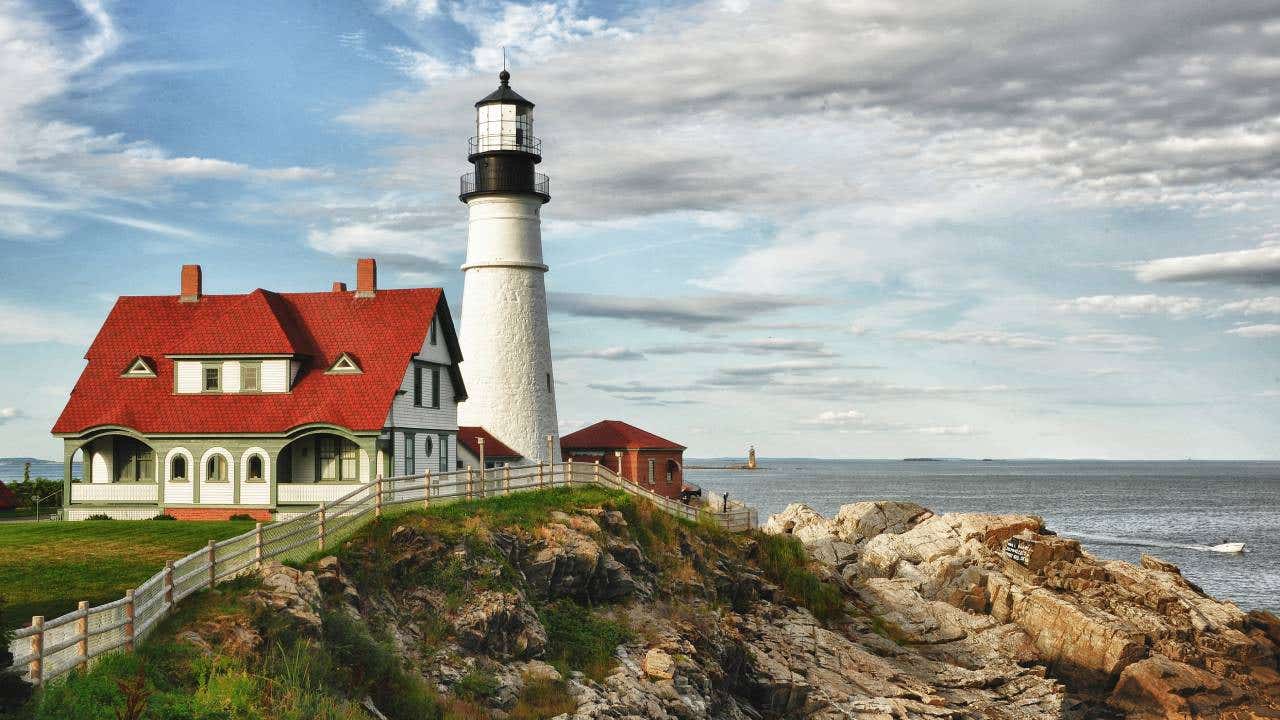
49, 649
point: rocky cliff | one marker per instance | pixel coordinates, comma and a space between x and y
586, 604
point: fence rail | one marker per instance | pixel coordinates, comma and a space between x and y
48, 649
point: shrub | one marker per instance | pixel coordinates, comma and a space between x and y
476, 685
579, 639
786, 564
542, 698
372, 669
164, 516
241, 516
100, 516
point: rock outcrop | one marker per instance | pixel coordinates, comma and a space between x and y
983, 591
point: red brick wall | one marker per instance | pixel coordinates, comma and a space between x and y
217, 513
635, 467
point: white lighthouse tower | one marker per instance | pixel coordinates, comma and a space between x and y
506, 344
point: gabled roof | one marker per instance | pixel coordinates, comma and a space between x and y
609, 434
384, 332
493, 447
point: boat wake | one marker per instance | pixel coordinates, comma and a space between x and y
1151, 542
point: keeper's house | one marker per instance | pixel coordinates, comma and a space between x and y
265, 404
638, 455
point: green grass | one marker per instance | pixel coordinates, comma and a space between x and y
786, 563
579, 638
46, 568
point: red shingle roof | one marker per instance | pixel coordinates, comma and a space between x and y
493, 447
384, 332
608, 434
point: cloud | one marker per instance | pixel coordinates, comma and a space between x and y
1259, 266
991, 338
1253, 306
759, 346
1269, 394
634, 386
755, 374
858, 422
9, 414
1132, 305
406, 250
1112, 342
686, 313
1256, 331
21, 324
611, 353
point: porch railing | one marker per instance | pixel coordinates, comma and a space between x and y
47, 650
113, 492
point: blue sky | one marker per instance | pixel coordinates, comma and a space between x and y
839, 229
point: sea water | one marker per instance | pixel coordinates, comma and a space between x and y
1172, 510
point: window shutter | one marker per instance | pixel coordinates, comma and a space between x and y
417, 386
435, 387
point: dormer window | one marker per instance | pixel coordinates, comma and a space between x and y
345, 365
250, 377
140, 367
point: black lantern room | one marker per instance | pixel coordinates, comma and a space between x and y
504, 149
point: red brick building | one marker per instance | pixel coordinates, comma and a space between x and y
647, 460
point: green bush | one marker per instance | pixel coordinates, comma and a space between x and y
786, 564
241, 516
476, 685
100, 516
164, 516
579, 639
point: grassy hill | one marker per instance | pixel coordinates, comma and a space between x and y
46, 568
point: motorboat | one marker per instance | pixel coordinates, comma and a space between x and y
1228, 547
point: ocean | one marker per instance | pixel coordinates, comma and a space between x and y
1116, 509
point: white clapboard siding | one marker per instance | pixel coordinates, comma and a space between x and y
178, 493
231, 376
188, 373
438, 353
406, 414
113, 492
275, 376
216, 493
304, 461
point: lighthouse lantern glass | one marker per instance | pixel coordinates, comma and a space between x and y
500, 126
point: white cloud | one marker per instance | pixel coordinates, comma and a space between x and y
991, 338
1258, 266
9, 414
1131, 305
25, 324
947, 430
687, 313
1253, 306
611, 353
858, 422
1256, 331
1112, 342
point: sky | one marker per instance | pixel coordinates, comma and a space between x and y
979, 228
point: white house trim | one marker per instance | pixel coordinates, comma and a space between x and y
179, 492
217, 493
255, 493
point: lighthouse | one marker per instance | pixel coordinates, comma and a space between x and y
506, 343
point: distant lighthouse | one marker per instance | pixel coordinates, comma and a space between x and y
506, 343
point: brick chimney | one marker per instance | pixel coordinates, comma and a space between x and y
339, 287
366, 277
191, 285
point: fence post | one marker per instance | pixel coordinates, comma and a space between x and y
168, 584
128, 619
470, 482
506, 479
212, 557
426, 490
257, 545
377, 494
82, 629
36, 668
595, 472
480, 440
568, 472
321, 538
539, 474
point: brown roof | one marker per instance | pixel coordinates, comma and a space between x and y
493, 447
608, 434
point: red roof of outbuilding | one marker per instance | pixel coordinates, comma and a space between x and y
493, 447
615, 434
384, 332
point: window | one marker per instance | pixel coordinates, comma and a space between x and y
427, 446
433, 331
250, 377
519, 137
178, 469
215, 469
417, 386
212, 378
350, 462
345, 365
337, 458
255, 467
435, 387
444, 453
408, 454
134, 461
650, 472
